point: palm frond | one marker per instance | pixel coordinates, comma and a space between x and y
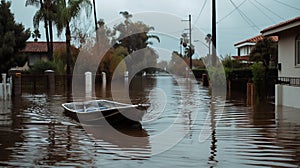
67, 11
155, 37
37, 18
35, 3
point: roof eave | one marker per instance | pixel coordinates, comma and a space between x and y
274, 31
244, 44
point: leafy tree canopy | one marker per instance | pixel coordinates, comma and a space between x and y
125, 38
13, 39
265, 51
132, 35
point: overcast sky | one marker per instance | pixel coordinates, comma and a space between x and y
237, 19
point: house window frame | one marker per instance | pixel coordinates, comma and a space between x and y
297, 54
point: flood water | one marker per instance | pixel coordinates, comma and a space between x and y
35, 132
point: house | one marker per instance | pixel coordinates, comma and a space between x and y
244, 47
38, 50
288, 33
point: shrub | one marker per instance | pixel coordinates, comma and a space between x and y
42, 66
259, 80
217, 76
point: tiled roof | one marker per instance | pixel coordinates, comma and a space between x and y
41, 47
255, 40
282, 24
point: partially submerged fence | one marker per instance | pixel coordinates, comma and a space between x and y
49, 83
295, 81
5, 87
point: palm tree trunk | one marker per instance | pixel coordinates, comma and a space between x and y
68, 48
46, 31
51, 40
68, 56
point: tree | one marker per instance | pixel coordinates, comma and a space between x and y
13, 39
265, 50
135, 36
189, 50
208, 39
66, 11
46, 13
36, 34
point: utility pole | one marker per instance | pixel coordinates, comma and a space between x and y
190, 49
190, 39
214, 33
95, 15
96, 24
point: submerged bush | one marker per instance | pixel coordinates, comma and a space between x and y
42, 66
259, 80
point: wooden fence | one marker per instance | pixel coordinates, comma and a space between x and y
50, 83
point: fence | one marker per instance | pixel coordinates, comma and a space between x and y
5, 88
49, 82
295, 81
43, 83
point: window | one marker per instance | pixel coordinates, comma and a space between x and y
298, 50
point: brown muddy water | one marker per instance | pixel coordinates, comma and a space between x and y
34, 131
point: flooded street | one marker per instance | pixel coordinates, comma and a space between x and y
34, 131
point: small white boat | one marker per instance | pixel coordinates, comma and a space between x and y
97, 112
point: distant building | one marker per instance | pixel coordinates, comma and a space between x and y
38, 50
244, 47
288, 33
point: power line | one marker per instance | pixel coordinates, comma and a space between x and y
262, 12
245, 17
204, 4
274, 13
285, 4
231, 12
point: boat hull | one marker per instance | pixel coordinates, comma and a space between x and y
126, 114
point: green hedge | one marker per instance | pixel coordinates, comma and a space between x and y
42, 66
246, 73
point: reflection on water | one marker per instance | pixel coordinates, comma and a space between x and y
35, 132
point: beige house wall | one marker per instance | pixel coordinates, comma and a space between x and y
287, 55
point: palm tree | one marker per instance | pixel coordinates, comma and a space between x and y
50, 7
208, 39
46, 13
133, 35
36, 35
66, 11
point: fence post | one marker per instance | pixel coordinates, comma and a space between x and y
4, 86
16, 82
204, 80
278, 94
51, 81
103, 78
250, 94
88, 85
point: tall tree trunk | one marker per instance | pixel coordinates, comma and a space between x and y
50, 50
68, 57
68, 48
46, 31
51, 40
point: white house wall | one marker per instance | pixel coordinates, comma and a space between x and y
286, 95
245, 50
286, 55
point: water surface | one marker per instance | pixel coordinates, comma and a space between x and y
35, 132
